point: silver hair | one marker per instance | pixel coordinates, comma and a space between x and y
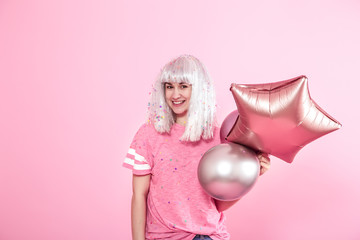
201, 113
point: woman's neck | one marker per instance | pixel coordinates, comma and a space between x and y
181, 120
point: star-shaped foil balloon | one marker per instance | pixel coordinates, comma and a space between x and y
278, 118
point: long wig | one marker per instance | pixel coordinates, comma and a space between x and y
201, 113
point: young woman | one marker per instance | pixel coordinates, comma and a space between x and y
168, 201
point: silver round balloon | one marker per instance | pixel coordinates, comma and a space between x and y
228, 171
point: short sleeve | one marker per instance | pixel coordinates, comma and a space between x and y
139, 157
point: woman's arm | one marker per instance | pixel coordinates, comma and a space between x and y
138, 206
264, 166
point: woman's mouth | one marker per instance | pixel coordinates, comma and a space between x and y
178, 103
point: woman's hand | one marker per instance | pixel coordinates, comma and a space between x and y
264, 162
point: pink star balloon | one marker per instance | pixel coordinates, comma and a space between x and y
278, 118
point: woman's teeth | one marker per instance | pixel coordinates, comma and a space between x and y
179, 102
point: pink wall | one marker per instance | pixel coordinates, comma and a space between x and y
74, 83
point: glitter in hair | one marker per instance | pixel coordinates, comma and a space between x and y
201, 112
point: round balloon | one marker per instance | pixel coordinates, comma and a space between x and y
227, 125
228, 171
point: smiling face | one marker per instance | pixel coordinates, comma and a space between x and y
177, 96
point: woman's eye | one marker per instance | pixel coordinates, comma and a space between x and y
184, 86
169, 86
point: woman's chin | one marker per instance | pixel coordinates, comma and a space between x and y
180, 113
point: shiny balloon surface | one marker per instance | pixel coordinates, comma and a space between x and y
278, 118
228, 171
227, 125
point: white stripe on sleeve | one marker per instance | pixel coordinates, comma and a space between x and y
137, 166
137, 156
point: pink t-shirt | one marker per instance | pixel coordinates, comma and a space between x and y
177, 206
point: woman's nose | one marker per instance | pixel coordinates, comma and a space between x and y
176, 92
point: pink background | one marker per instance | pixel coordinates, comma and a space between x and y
74, 83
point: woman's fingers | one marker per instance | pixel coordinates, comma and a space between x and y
264, 162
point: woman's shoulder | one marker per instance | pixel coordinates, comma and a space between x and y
216, 134
216, 130
147, 128
215, 138
145, 135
